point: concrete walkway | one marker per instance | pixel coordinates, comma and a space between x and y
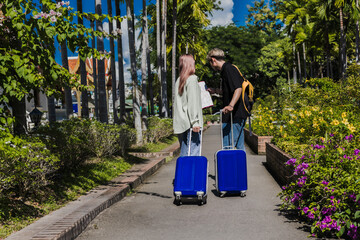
149, 213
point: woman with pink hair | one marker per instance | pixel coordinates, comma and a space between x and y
187, 107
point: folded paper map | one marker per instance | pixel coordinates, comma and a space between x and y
206, 100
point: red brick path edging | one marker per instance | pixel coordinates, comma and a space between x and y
257, 143
275, 163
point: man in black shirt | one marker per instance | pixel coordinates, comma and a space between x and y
231, 88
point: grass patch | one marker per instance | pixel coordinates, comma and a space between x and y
15, 214
155, 147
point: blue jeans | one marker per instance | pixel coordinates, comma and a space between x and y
239, 139
184, 143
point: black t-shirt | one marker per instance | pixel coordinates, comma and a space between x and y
231, 80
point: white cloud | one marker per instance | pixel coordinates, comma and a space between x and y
223, 17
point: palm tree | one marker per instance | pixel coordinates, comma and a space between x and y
113, 71
136, 100
67, 90
346, 9
149, 74
158, 43
164, 105
19, 114
83, 74
121, 66
173, 71
103, 117
144, 68
304, 54
96, 95
357, 35
51, 109
294, 63
342, 44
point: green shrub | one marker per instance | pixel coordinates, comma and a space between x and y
106, 140
24, 165
327, 188
211, 118
69, 139
262, 120
75, 140
158, 128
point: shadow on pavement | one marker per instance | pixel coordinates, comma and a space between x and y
153, 194
292, 216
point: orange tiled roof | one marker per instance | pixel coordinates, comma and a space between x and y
74, 67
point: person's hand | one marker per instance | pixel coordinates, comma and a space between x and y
211, 90
228, 109
196, 129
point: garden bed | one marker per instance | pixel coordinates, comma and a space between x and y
257, 143
275, 162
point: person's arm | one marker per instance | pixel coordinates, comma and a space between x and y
234, 100
194, 104
214, 90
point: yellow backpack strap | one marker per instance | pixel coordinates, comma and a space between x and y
244, 85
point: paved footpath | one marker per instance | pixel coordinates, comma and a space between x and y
149, 213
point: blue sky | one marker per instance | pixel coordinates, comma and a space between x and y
235, 11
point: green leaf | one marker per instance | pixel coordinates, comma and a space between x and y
341, 232
50, 31
357, 214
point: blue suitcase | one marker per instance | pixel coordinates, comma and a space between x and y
230, 169
191, 178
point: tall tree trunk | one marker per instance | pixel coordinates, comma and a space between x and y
328, 55
164, 110
299, 66
67, 90
103, 115
288, 75
158, 46
294, 64
312, 67
113, 70
144, 69
51, 109
83, 74
51, 99
121, 83
173, 71
149, 74
19, 113
357, 36
96, 90
304, 54
136, 99
331, 70
342, 44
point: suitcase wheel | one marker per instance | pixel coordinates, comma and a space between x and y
242, 193
202, 201
177, 199
177, 202
205, 200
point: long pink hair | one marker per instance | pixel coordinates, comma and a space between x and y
187, 68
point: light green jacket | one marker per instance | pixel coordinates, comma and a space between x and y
187, 107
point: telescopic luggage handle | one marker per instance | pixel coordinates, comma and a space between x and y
200, 132
222, 131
